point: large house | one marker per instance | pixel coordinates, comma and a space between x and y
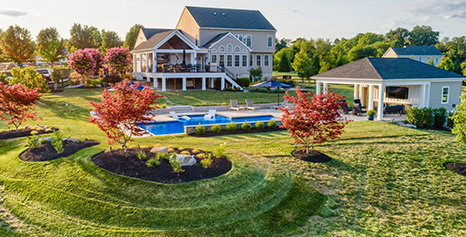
209, 49
419, 53
379, 82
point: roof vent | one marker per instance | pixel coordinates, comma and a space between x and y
224, 14
215, 13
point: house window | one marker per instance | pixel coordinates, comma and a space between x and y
445, 94
222, 61
237, 60
214, 58
270, 41
245, 60
240, 37
436, 60
251, 60
229, 60
248, 40
229, 48
258, 60
221, 49
266, 60
237, 49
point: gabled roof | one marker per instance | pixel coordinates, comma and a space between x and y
386, 69
215, 40
153, 36
416, 50
229, 18
149, 32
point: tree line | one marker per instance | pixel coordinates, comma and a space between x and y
310, 57
18, 46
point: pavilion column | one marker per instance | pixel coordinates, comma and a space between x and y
355, 92
318, 87
147, 62
195, 58
222, 84
370, 105
156, 83
423, 96
154, 64
140, 62
203, 84
134, 63
184, 83
361, 95
164, 84
427, 103
325, 90
380, 105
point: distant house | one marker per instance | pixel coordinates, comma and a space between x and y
418, 53
209, 48
379, 82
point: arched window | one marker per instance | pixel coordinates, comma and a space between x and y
237, 49
229, 48
221, 49
214, 50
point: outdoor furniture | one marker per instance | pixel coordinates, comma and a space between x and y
234, 105
345, 108
357, 109
284, 104
210, 115
175, 116
250, 105
394, 109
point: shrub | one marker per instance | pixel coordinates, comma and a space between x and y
459, 120
200, 130
170, 150
220, 150
371, 112
29, 78
272, 124
246, 127
175, 163
142, 155
200, 155
231, 127
33, 141
152, 162
260, 125
118, 59
421, 117
206, 162
440, 117
128, 76
161, 155
243, 82
57, 141
185, 153
112, 78
216, 129
450, 121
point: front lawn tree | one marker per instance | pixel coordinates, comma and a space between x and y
50, 47
315, 120
303, 65
119, 113
446, 64
118, 59
256, 73
132, 35
16, 103
17, 45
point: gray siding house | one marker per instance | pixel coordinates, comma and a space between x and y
396, 81
418, 53
209, 48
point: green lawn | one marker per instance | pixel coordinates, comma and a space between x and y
383, 180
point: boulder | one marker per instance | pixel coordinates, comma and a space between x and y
186, 160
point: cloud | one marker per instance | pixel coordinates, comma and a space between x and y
289, 9
284, 9
439, 9
13, 13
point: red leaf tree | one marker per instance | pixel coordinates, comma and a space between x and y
16, 103
314, 120
118, 59
118, 115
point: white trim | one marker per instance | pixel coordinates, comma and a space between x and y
237, 47
448, 95
229, 33
239, 60
221, 51
181, 36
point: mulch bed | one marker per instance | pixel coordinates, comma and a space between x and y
128, 164
23, 132
46, 152
239, 131
313, 156
459, 168
56, 91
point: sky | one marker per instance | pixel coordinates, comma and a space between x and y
293, 18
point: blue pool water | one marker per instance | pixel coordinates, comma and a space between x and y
175, 127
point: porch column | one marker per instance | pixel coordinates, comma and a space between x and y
423, 96
140, 62
203, 84
361, 95
380, 105
156, 83
134, 63
147, 62
212, 82
355, 92
184, 83
325, 90
164, 84
222, 84
370, 105
195, 57
427, 94
318, 87
154, 64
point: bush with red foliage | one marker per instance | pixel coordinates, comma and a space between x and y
118, 115
314, 120
16, 103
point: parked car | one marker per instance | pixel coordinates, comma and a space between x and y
45, 72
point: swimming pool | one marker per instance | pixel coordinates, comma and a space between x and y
176, 127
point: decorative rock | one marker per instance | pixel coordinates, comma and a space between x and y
408, 125
47, 139
186, 160
159, 149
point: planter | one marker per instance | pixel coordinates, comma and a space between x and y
313, 156
370, 117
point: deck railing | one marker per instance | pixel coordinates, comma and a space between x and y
189, 68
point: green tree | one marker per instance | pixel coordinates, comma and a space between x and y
255, 73
446, 64
423, 36
455, 49
110, 39
29, 78
56, 76
397, 37
360, 52
463, 68
49, 45
459, 121
17, 45
284, 65
303, 65
431, 61
83, 37
132, 35
281, 44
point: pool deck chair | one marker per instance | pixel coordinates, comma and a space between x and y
234, 106
284, 104
210, 115
175, 116
250, 105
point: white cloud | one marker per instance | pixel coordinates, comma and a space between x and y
439, 9
13, 12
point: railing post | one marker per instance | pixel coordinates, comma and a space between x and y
203, 84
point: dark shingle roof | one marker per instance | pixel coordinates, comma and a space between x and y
214, 40
417, 50
230, 18
388, 68
153, 36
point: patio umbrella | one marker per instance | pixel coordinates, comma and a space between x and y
184, 57
273, 84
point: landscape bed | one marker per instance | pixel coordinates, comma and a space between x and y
24, 132
46, 152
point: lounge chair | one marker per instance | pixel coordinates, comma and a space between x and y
175, 116
250, 105
234, 106
357, 109
210, 115
345, 108
284, 104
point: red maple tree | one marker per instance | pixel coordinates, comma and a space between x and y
118, 115
16, 103
314, 120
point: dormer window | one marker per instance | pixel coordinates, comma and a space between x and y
240, 37
229, 48
248, 40
270, 41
